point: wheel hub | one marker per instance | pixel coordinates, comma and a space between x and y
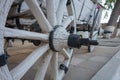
59, 38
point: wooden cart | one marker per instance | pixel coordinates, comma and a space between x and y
57, 21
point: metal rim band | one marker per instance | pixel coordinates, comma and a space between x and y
51, 36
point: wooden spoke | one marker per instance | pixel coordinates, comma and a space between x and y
66, 63
4, 73
67, 21
54, 67
60, 11
51, 16
40, 75
70, 9
19, 71
39, 15
15, 33
65, 53
71, 12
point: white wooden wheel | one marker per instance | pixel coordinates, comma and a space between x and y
58, 13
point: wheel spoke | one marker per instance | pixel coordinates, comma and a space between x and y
51, 10
39, 15
65, 53
71, 12
67, 21
54, 67
19, 71
66, 63
43, 68
60, 11
14, 33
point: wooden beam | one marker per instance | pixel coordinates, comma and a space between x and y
39, 15
15, 33
19, 71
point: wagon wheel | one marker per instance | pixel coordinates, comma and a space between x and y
54, 37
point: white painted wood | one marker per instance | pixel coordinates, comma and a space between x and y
39, 15
60, 38
40, 75
60, 11
67, 63
70, 9
15, 33
4, 73
67, 21
4, 8
87, 8
71, 12
51, 12
54, 67
19, 71
77, 9
65, 53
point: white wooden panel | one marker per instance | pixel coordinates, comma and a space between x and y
87, 10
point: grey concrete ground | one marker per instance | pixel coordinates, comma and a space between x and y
83, 66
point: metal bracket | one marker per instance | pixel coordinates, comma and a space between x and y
63, 67
68, 2
51, 38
